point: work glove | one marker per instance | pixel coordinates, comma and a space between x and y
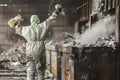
59, 9
15, 21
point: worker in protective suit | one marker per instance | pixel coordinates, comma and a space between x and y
35, 46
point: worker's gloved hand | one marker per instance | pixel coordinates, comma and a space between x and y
58, 8
15, 21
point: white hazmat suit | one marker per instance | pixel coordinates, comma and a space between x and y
35, 46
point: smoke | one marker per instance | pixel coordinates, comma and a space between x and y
101, 28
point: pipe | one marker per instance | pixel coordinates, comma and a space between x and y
82, 5
117, 36
117, 23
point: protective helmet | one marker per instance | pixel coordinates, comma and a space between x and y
34, 20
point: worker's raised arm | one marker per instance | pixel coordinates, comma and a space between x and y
52, 18
15, 23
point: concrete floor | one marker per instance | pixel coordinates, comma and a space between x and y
8, 78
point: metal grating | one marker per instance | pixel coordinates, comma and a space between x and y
84, 10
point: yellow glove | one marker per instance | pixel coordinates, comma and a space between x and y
14, 21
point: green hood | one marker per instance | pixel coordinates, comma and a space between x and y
34, 21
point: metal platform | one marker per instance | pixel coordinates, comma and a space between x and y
9, 73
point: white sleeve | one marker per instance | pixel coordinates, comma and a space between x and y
51, 19
48, 22
44, 26
18, 30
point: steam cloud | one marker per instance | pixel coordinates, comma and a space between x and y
101, 28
